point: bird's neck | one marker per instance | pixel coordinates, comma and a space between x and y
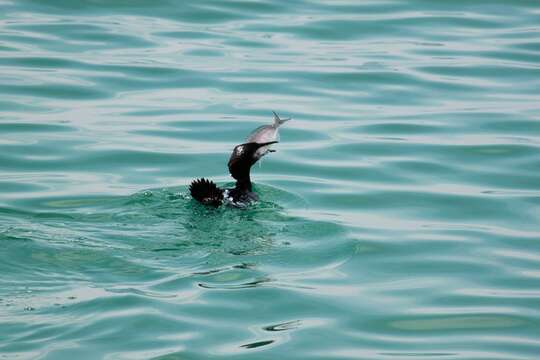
243, 184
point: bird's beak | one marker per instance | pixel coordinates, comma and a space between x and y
266, 144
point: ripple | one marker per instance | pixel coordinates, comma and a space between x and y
257, 344
455, 323
283, 326
398, 216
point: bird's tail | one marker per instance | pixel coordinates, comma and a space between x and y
206, 192
278, 121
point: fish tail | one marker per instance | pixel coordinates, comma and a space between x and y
278, 121
206, 192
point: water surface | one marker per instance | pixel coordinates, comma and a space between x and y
399, 217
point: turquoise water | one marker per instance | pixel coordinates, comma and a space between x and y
400, 215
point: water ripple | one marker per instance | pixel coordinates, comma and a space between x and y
399, 214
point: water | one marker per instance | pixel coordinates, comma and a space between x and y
399, 216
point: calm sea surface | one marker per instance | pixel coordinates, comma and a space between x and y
400, 215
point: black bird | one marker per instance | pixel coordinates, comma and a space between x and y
243, 157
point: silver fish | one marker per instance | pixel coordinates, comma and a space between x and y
266, 133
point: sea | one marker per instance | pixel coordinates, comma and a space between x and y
399, 217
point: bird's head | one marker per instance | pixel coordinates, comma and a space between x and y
243, 157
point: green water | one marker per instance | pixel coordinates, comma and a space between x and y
399, 217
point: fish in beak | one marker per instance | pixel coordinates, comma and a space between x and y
265, 134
